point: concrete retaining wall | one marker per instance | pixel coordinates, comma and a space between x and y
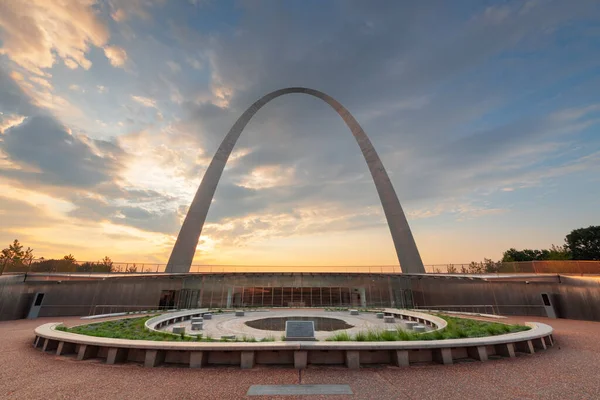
574, 297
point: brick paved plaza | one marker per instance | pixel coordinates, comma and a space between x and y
568, 370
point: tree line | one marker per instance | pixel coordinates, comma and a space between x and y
580, 244
15, 258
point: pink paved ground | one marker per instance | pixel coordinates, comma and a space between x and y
570, 370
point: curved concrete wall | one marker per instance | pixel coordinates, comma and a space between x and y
299, 354
185, 246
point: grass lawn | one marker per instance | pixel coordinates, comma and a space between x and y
134, 329
457, 328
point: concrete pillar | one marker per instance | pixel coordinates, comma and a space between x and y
300, 359
442, 356
401, 358
116, 355
539, 344
50, 344
65, 348
247, 360
39, 342
154, 358
506, 350
478, 353
363, 297
86, 351
525, 347
198, 359
229, 297
353, 359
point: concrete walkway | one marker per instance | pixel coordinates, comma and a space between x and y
566, 371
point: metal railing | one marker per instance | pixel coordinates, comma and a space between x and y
493, 309
475, 309
81, 268
579, 267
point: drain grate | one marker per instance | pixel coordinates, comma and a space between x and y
297, 390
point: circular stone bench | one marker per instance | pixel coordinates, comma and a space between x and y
163, 320
434, 322
298, 354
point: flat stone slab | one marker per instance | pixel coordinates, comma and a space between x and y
410, 324
179, 329
389, 320
197, 326
239, 313
379, 315
207, 316
298, 390
299, 330
353, 312
419, 328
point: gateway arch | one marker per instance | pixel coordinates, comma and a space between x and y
185, 246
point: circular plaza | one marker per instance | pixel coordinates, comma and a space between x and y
261, 325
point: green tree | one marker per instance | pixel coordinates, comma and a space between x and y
14, 258
553, 253
558, 253
512, 255
584, 243
104, 265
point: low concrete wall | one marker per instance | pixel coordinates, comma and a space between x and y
171, 318
300, 354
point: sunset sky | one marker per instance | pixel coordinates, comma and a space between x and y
485, 114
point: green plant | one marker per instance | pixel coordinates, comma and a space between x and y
128, 328
360, 337
456, 328
342, 336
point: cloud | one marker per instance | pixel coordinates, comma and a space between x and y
116, 55
42, 82
174, 66
57, 158
18, 215
258, 227
145, 101
93, 209
34, 32
122, 10
267, 177
456, 118
8, 121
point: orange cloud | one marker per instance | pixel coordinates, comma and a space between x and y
116, 55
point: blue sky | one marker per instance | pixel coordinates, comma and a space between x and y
485, 114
